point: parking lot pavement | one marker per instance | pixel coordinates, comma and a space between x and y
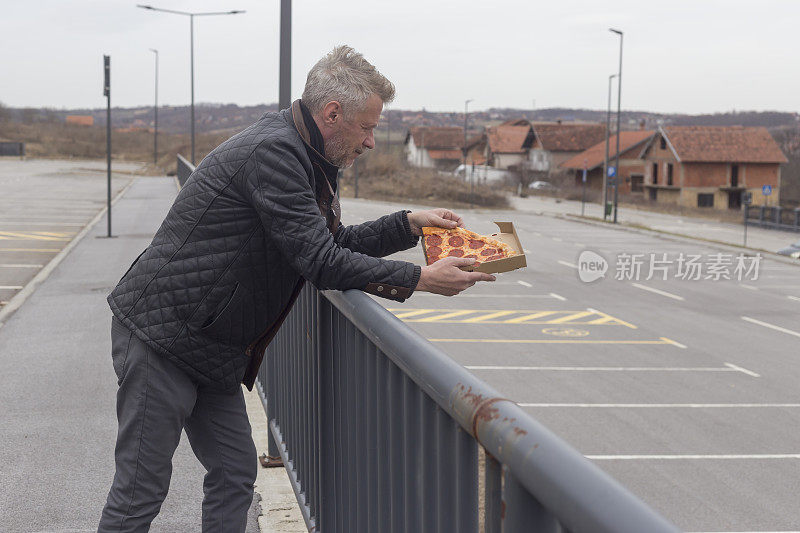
45, 203
684, 390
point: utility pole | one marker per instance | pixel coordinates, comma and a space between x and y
619, 124
155, 113
107, 94
285, 67
605, 161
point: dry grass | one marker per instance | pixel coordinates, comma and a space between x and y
59, 140
384, 176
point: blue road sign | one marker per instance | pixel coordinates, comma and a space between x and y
612, 171
766, 190
584, 176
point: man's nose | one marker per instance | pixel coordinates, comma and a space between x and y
369, 142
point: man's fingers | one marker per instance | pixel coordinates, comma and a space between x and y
444, 223
458, 261
480, 276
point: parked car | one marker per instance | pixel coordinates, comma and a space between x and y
542, 186
793, 250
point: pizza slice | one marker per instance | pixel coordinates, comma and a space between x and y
459, 242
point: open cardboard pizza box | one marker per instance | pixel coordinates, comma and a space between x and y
509, 236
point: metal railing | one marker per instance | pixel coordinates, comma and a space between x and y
774, 217
381, 431
185, 169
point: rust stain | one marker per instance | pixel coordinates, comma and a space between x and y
502, 509
520, 432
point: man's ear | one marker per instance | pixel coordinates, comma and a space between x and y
332, 113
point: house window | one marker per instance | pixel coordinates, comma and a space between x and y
669, 174
705, 199
734, 175
655, 173
663, 143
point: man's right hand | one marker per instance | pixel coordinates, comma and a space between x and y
445, 277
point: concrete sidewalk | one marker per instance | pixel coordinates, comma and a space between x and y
58, 387
693, 227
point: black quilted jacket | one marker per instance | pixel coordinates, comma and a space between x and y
256, 217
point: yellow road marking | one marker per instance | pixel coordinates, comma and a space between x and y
33, 236
573, 316
53, 250
549, 341
437, 318
413, 313
526, 318
588, 317
481, 318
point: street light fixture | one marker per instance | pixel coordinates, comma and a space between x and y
191, 16
619, 123
155, 113
605, 161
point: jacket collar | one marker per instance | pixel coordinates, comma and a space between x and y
307, 128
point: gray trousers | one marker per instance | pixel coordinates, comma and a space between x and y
155, 402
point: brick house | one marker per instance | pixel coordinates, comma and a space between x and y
508, 144
711, 166
557, 142
631, 167
438, 147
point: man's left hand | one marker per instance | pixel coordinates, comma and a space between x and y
439, 218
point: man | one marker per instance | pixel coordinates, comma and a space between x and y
196, 310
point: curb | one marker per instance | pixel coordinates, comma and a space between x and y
679, 237
29, 288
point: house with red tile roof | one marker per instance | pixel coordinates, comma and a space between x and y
631, 167
711, 166
438, 147
507, 145
557, 142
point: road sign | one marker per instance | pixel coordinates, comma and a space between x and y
612, 171
584, 176
766, 190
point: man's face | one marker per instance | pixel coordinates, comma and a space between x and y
354, 135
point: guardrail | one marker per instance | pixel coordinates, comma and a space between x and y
381, 431
775, 217
185, 169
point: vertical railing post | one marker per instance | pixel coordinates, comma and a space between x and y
493, 495
326, 513
797, 218
269, 384
522, 511
778, 215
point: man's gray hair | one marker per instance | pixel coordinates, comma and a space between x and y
346, 77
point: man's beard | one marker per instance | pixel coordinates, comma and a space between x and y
337, 152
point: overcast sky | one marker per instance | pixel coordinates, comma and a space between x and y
697, 56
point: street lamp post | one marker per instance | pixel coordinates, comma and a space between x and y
605, 161
155, 114
472, 184
619, 123
191, 16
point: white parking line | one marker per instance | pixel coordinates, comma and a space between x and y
423, 294
743, 370
526, 250
11, 265
745, 286
771, 326
571, 265
557, 297
795, 298
524, 283
558, 239
680, 457
664, 405
11, 287
658, 291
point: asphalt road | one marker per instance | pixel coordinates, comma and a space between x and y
684, 390
44, 205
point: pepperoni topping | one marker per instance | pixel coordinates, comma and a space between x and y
489, 251
455, 241
456, 252
433, 240
476, 244
432, 259
434, 250
470, 256
498, 256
